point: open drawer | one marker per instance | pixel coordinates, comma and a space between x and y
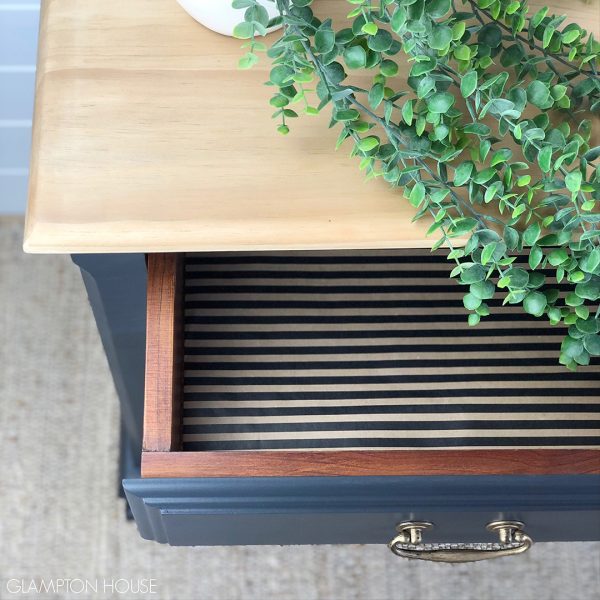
341, 368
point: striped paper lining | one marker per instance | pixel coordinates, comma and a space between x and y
368, 350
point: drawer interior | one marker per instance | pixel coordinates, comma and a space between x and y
351, 362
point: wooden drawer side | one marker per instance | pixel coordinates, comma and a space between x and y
164, 354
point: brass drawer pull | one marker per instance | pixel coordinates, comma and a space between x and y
408, 544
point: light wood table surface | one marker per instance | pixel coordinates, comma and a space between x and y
147, 138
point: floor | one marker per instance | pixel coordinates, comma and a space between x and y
60, 517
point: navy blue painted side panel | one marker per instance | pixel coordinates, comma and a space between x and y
116, 288
344, 510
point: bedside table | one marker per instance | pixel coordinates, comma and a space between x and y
146, 169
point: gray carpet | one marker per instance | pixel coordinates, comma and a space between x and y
60, 517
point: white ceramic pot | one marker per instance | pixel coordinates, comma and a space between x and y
219, 15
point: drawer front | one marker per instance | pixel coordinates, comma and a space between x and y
360, 510
324, 368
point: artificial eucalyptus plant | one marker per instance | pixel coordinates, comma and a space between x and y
481, 74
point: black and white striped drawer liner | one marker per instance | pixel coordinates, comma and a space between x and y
368, 350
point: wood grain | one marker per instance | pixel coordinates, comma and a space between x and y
148, 138
367, 463
164, 353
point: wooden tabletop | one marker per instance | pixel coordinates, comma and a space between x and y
147, 138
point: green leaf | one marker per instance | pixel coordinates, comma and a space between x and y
388, 68
381, 41
407, 112
355, 57
280, 74
370, 28
471, 302
440, 37
512, 55
511, 238
570, 36
484, 176
584, 87
545, 158
490, 35
464, 225
483, 310
558, 91
532, 234
426, 85
244, 30
367, 144
417, 194
558, 257
458, 30
592, 154
324, 40
437, 8
482, 289
477, 128
487, 253
376, 95
473, 274
335, 72
463, 173
572, 299
535, 303
571, 347
279, 101
473, 319
519, 278
462, 52
554, 315
536, 254
573, 181
500, 156
538, 17
548, 240
248, 60
547, 37
538, 94
576, 276
498, 107
534, 133
589, 290
495, 188
484, 149
585, 324
468, 83
398, 19
440, 102
590, 262
347, 114
592, 344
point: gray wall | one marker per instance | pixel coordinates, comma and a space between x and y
18, 46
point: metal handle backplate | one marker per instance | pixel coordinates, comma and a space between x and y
408, 543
